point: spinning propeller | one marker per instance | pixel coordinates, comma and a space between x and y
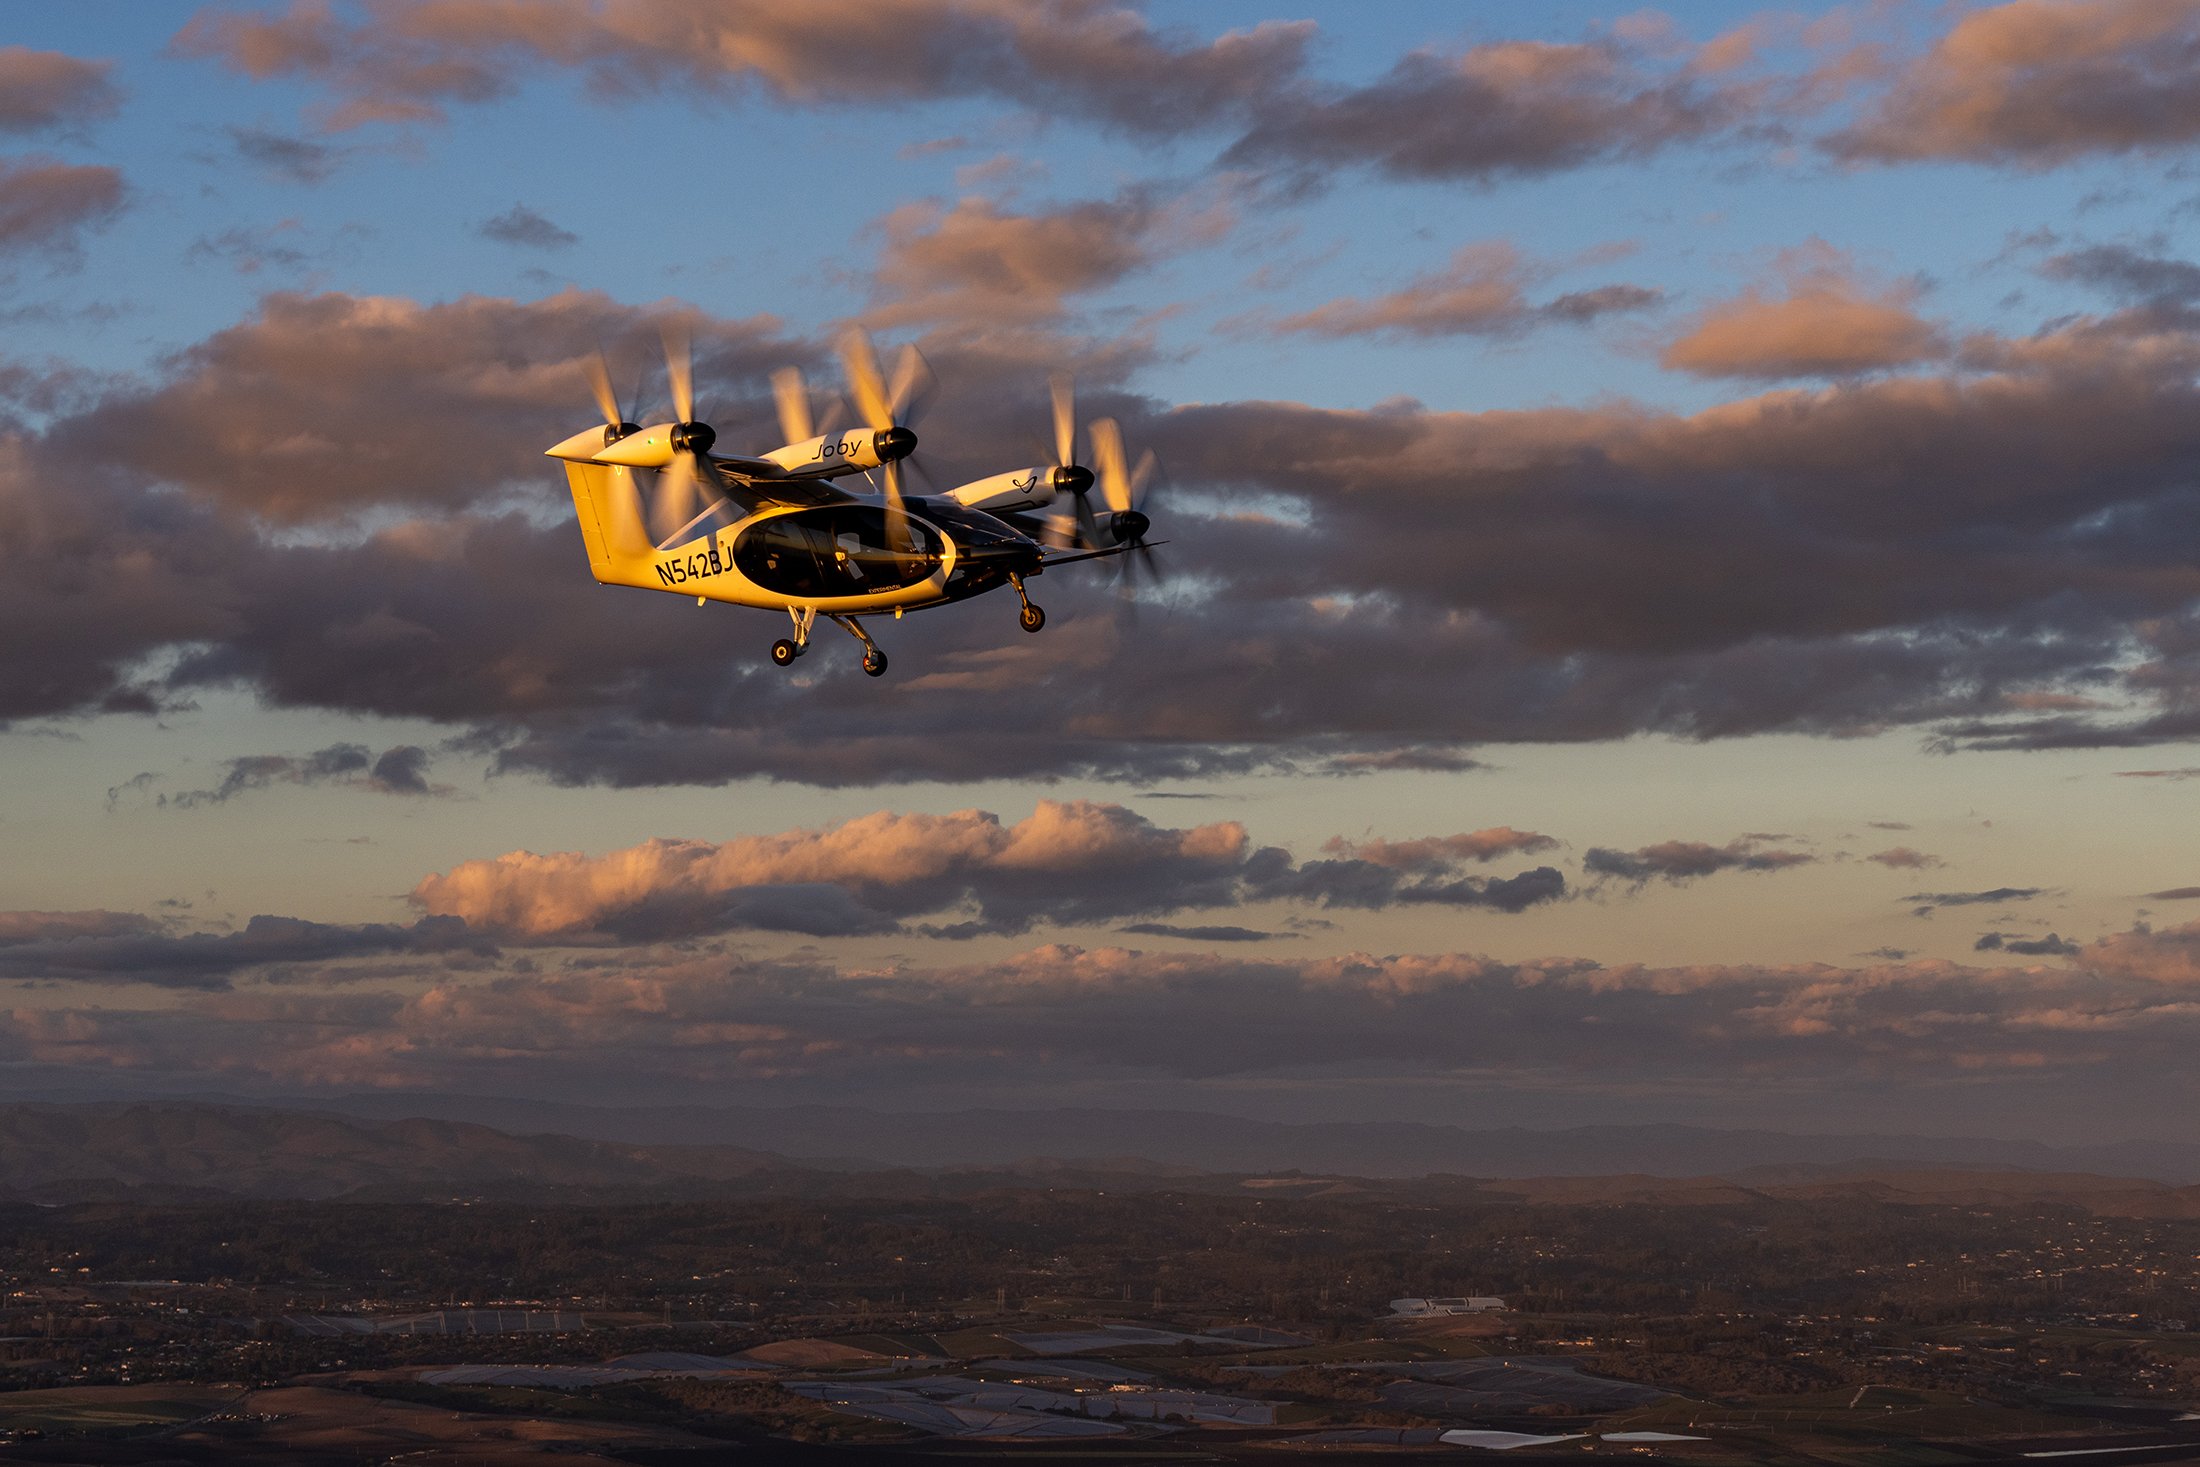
674, 505
1069, 475
1128, 492
888, 409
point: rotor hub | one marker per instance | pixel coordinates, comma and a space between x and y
1073, 478
895, 442
613, 432
1131, 527
693, 437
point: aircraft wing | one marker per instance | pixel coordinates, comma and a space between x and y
755, 483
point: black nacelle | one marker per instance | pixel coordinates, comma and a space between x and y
693, 437
1129, 527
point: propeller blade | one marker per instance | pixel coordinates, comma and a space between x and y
679, 371
599, 383
897, 518
866, 384
793, 397
1088, 529
1141, 476
1107, 458
1061, 532
912, 391
836, 413
674, 505
1064, 389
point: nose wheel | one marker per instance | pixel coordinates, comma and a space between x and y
785, 652
874, 662
1031, 616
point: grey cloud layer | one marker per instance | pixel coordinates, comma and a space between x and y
2020, 82
1963, 549
1062, 1016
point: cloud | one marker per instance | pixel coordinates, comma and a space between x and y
1069, 862
522, 226
47, 205
2033, 83
1825, 323
1680, 861
2172, 774
117, 949
1482, 292
1203, 934
1508, 108
22, 927
2166, 290
409, 60
1923, 550
322, 405
1437, 852
252, 251
2175, 894
2080, 1039
2050, 946
397, 771
1904, 858
977, 263
1929, 902
283, 156
42, 90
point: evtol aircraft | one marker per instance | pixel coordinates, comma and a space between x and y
776, 531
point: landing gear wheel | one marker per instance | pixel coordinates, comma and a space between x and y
1033, 618
785, 652
874, 663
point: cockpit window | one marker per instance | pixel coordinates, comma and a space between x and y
839, 550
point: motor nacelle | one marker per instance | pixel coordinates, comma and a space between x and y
1127, 526
831, 454
1032, 488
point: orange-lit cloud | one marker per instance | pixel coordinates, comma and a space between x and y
1823, 323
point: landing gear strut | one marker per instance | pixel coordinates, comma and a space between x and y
1031, 616
874, 661
785, 652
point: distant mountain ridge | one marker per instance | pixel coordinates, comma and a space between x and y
184, 1151
851, 1136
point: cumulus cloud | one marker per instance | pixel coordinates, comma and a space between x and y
1506, 108
409, 60
1825, 322
42, 90
1482, 292
47, 205
2038, 82
978, 263
1680, 861
522, 226
1069, 862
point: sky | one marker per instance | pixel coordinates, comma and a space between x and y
1681, 599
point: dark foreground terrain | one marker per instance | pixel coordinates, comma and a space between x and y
1100, 1312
